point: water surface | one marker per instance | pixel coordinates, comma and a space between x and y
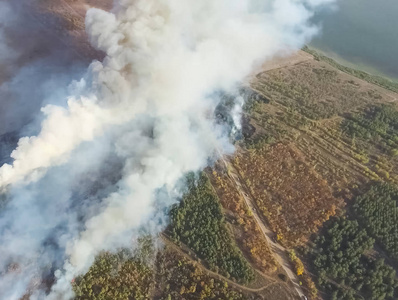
363, 34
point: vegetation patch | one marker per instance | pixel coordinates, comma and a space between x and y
342, 268
377, 124
199, 223
249, 236
292, 197
378, 210
180, 279
378, 80
115, 277
314, 90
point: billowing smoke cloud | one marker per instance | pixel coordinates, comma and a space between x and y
107, 161
37, 63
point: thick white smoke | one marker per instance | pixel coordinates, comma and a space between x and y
149, 106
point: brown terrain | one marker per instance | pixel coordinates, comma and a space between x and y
49, 25
64, 20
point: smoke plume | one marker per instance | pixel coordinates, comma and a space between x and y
108, 158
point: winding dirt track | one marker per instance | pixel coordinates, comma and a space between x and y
280, 253
176, 248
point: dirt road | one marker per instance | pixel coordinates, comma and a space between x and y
171, 244
280, 253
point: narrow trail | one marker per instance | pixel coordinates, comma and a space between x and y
176, 248
280, 252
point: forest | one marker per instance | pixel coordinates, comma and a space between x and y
374, 122
343, 267
377, 211
199, 223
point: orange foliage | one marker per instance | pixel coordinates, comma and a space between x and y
250, 238
290, 194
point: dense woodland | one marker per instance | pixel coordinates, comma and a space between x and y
199, 223
377, 211
344, 270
